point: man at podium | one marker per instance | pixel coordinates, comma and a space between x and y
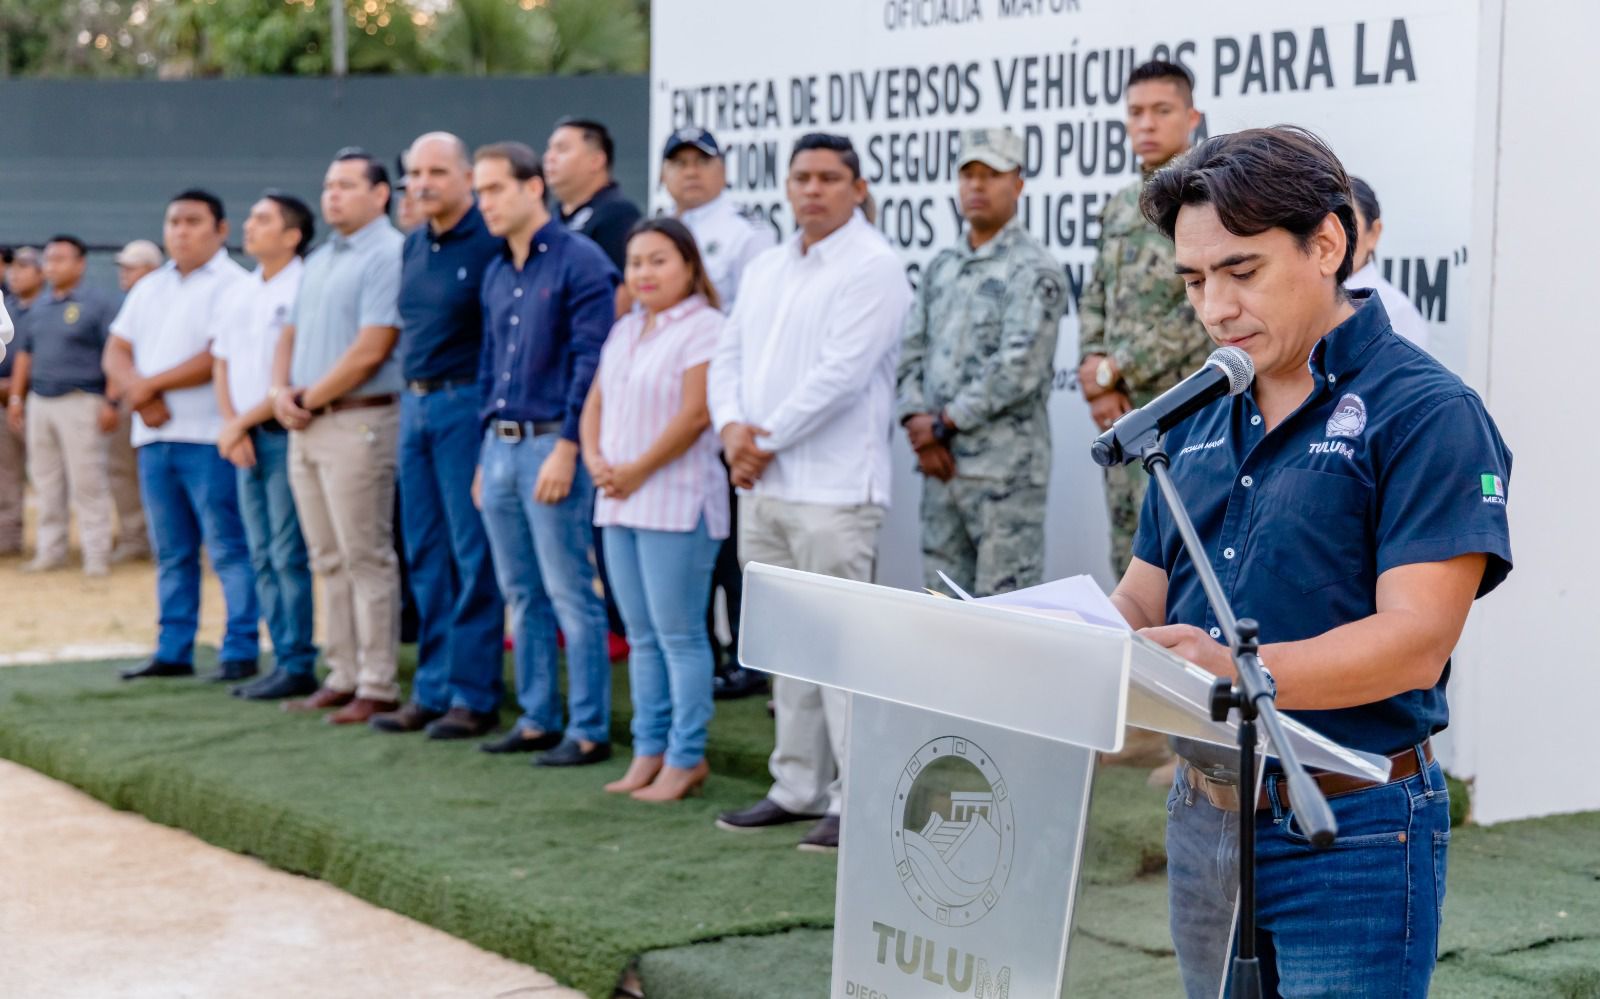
1353, 501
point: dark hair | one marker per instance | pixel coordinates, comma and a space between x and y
1283, 177
7, 254
833, 143
523, 160
594, 133
1366, 200
1160, 69
296, 214
206, 198
683, 239
72, 241
375, 172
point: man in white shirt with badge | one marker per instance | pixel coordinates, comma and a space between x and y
278, 233
802, 392
158, 365
695, 176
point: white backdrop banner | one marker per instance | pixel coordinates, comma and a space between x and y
1390, 84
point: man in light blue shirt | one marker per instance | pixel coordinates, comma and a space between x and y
336, 385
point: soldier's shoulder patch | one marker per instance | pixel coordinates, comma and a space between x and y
1048, 288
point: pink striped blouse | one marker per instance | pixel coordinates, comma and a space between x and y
641, 389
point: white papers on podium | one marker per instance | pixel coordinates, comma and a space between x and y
1168, 694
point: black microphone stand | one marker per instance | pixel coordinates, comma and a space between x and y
1250, 696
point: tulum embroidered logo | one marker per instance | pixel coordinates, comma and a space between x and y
1349, 417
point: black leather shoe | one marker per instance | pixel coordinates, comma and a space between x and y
823, 837
410, 717
155, 667
278, 686
737, 682
522, 741
232, 671
760, 815
460, 723
570, 754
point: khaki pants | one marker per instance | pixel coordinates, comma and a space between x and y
813, 721
341, 470
67, 462
13, 474
133, 536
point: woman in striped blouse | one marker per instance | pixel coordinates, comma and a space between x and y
661, 501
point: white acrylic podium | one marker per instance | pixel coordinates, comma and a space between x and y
971, 754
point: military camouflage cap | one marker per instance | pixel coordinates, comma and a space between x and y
1000, 148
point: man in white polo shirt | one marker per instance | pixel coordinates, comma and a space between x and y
277, 234
802, 392
158, 366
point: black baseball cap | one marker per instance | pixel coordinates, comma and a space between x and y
692, 135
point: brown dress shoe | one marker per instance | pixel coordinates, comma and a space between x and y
640, 773
413, 717
360, 711
675, 783
323, 699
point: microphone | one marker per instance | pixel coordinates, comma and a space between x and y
1228, 371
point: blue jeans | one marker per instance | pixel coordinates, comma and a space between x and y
191, 496
461, 618
1360, 918
278, 552
661, 583
542, 559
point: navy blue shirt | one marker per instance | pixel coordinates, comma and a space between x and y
441, 280
606, 218
1391, 461
543, 327
65, 337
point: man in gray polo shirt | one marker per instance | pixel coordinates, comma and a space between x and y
58, 391
336, 385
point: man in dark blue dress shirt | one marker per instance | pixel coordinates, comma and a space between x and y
1353, 502
547, 304
461, 618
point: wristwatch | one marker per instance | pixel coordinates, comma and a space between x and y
1105, 375
942, 431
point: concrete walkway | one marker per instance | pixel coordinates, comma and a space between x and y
100, 903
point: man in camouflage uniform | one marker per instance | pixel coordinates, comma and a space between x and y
1138, 336
975, 371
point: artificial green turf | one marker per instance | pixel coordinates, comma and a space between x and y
540, 865
543, 867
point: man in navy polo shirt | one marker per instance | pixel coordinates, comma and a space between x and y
1353, 502
547, 302
461, 619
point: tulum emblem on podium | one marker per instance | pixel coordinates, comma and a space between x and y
952, 832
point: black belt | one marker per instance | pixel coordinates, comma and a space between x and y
514, 431
271, 426
357, 402
428, 386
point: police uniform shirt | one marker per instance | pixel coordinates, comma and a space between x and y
606, 218
1390, 461
728, 240
65, 337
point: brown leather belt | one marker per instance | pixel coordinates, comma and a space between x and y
358, 402
1225, 796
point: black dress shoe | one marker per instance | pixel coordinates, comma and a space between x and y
155, 667
462, 723
411, 717
232, 671
737, 682
278, 686
823, 837
760, 815
571, 754
520, 740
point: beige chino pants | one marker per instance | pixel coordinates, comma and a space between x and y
67, 464
341, 471
813, 721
